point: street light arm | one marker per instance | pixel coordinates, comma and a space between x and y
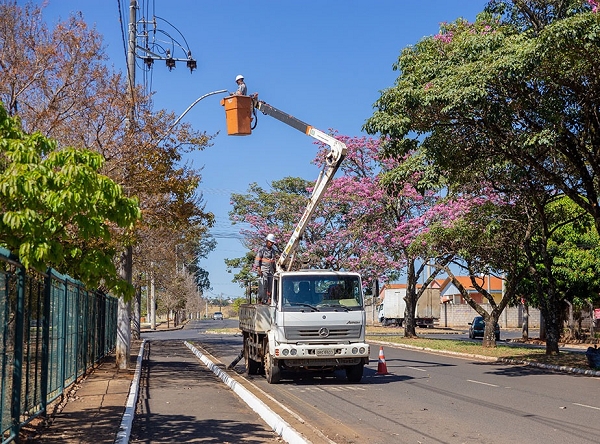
221, 91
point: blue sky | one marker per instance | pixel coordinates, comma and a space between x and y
322, 61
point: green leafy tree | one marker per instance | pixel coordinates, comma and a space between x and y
235, 305
245, 276
58, 81
57, 210
564, 252
516, 94
487, 240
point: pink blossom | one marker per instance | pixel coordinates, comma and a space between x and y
445, 37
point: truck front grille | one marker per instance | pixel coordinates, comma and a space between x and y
336, 334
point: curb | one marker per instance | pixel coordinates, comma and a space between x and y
149, 330
559, 368
273, 420
564, 369
127, 420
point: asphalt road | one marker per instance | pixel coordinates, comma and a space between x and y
426, 398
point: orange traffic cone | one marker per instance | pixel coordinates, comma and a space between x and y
381, 367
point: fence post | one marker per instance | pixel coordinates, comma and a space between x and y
65, 339
46, 340
18, 352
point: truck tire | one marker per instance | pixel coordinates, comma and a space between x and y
272, 370
354, 373
252, 367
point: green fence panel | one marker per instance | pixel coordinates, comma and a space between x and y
7, 341
52, 330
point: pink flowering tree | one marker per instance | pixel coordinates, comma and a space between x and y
392, 203
374, 218
370, 220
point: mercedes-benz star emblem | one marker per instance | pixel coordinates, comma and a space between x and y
324, 332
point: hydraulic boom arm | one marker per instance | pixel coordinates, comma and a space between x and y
334, 159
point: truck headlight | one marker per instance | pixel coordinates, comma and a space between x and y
354, 350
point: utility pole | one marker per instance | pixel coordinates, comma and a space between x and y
123, 344
152, 309
148, 51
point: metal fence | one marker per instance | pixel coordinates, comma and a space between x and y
52, 330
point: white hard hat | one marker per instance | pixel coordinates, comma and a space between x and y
239, 77
271, 237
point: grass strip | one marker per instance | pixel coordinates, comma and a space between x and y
564, 358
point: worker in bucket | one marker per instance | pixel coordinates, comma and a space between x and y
241, 90
264, 264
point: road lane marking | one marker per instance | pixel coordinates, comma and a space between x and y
482, 383
327, 389
419, 369
588, 406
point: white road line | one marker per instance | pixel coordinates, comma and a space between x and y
482, 383
326, 389
419, 369
588, 406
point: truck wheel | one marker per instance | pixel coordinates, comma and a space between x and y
272, 371
252, 367
354, 373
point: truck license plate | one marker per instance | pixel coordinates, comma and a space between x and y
325, 352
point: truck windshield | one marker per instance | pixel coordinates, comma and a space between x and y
321, 293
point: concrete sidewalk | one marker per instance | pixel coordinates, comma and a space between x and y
92, 410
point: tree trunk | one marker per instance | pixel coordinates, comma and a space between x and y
152, 310
137, 303
551, 325
489, 334
411, 301
123, 346
123, 343
525, 322
409, 315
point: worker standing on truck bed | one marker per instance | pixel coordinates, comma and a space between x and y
264, 264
